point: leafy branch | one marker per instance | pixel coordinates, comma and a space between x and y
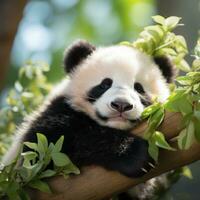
32, 169
158, 40
28, 92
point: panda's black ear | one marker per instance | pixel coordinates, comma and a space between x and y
166, 67
77, 53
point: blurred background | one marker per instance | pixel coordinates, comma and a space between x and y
40, 30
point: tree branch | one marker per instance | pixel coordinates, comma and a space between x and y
10, 15
96, 183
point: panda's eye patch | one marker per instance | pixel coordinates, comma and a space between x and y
106, 83
138, 87
95, 92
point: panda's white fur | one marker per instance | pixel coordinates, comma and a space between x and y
125, 66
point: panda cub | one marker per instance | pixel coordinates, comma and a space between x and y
96, 106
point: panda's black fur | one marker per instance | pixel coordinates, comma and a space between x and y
76, 53
86, 141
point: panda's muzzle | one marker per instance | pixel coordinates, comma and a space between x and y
106, 118
100, 116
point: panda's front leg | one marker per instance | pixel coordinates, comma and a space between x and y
132, 158
115, 150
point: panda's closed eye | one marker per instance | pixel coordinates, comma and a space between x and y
139, 88
99, 89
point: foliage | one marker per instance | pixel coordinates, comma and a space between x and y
158, 40
21, 100
33, 168
184, 99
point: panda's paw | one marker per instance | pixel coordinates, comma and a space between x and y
136, 168
136, 162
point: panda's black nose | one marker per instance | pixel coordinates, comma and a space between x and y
121, 105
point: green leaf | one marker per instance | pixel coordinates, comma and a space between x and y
40, 185
60, 159
178, 102
171, 22
12, 190
159, 19
51, 147
183, 65
187, 172
166, 51
31, 145
47, 173
197, 50
186, 136
153, 150
30, 155
185, 106
154, 121
28, 172
150, 110
184, 80
156, 33
160, 141
24, 195
196, 88
156, 118
181, 44
196, 64
59, 144
71, 168
42, 143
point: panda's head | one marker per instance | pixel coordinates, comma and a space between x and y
114, 84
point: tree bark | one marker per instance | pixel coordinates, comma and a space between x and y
10, 15
96, 183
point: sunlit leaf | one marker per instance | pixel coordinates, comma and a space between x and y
186, 137
159, 19
171, 22
187, 172
31, 145
184, 66
153, 149
150, 110
160, 141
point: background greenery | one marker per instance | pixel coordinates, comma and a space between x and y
48, 26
